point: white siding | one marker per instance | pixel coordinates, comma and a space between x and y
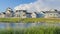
33, 15
51, 15
20, 14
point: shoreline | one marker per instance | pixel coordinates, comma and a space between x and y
27, 20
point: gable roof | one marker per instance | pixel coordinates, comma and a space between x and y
9, 9
20, 10
52, 11
3, 12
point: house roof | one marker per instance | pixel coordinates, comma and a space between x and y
51, 12
3, 12
28, 12
9, 9
20, 10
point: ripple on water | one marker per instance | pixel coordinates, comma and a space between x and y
26, 25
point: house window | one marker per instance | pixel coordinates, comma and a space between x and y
24, 15
54, 14
50, 14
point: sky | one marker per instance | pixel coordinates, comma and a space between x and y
30, 5
12, 3
39, 5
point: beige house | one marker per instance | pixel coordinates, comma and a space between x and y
2, 15
33, 15
52, 14
20, 13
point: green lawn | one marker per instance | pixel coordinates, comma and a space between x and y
32, 20
10, 20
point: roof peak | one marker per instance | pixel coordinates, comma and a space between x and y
53, 10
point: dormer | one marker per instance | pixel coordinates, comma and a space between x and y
9, 10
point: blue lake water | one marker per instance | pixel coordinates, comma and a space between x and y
25, 25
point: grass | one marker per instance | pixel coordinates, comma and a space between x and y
28, 20
33, 30
35, 20
9, 20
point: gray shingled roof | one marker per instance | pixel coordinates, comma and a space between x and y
28, 13
51, 12
20, 10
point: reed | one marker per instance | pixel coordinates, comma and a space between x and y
33, 30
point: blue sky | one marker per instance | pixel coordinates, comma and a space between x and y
33, 5
12, 3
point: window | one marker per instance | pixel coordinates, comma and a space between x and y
50, 14
24, 15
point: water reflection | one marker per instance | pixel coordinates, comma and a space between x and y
3, 25
25, 25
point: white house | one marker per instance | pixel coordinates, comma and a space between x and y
20, 13
17, 13
2, 15
52, 14
33, 15
9, 12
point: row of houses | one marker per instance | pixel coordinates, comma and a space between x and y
52, 13
17, 13
24, 14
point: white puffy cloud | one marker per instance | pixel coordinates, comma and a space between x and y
36, 6
32, 7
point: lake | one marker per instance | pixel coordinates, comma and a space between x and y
29, 28
26, 25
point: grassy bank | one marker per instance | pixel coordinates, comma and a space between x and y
41, 20
10, 20
32, 20
33, 30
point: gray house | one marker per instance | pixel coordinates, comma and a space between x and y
52, 14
